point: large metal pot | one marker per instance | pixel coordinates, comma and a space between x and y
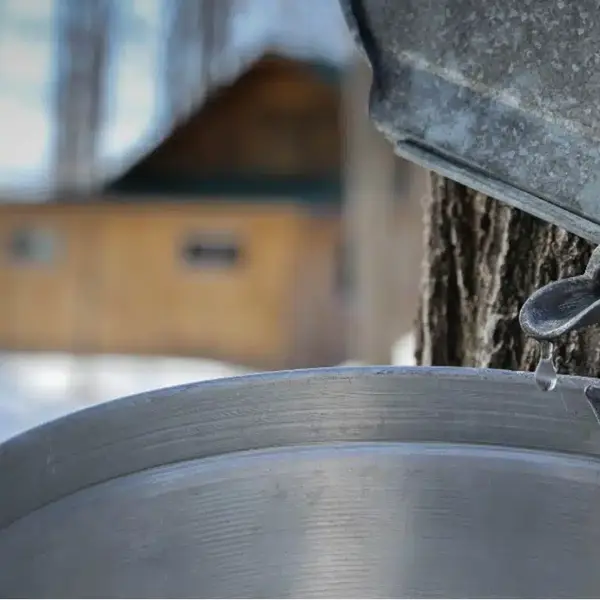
329, 483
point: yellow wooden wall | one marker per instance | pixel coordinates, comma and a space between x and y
320, 304
119, 284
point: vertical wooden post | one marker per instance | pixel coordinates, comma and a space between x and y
413, 190
369, 208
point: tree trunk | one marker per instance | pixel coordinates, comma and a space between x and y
197, 36
83, 45
482, 260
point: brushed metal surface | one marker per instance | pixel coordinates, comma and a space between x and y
365, 482
499, 95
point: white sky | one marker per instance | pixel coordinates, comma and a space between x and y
27, 48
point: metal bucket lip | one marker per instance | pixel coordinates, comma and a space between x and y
291, 408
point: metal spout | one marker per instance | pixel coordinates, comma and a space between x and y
563, 306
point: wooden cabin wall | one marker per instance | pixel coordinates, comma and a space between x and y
119, 283
280, 118
234, 313
40, 304
320, 300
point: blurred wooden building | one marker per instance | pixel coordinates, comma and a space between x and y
224, 242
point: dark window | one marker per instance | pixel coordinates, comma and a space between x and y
211, 251
33, 245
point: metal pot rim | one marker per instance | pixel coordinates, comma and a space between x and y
291, 408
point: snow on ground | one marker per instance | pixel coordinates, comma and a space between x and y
38, 387
35, 388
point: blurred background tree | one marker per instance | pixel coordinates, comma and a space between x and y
84, 30
195, 34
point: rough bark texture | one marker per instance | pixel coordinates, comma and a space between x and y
482, 260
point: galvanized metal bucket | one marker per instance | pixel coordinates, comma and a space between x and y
357, 482
499, 95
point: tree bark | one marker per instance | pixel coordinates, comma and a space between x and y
197, 36
83, 45
482, 260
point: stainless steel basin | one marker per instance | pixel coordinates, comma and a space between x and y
377, 482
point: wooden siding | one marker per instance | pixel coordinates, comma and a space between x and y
119, 283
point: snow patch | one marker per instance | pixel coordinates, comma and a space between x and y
35, 388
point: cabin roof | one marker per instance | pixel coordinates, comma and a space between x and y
137, 183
